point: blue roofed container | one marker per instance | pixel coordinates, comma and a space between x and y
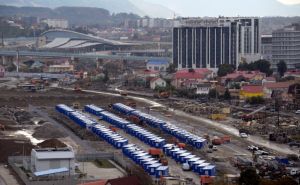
180, 157
64, 109
123, 108
191, 161
153, 168
93, 109
200, 167
209, 170
176, 154
162, 171
149, 163
196, 164
185, 159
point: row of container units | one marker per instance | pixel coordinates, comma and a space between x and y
124, 109
108, 135
179, 133
93, 109
196, 164
146, 118
145, 136
85, 122
82, 120
107, 116
147, 162
64, 109
132, 129
185, 136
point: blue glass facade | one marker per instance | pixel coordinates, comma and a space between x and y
204, 47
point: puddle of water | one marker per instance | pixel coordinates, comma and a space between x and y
28, 134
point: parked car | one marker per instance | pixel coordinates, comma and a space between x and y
253, 148
294, 143
247, 106
297, 112
243, 135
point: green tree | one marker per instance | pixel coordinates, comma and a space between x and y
225, 69
255, 100
281, 68
171, 68
227, 95
263, 66
106, 78
249, 177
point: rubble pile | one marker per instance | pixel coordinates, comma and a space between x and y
47, 131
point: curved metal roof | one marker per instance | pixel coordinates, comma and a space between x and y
61, 33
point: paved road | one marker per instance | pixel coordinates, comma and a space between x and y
257, 140
86, 148
2, 182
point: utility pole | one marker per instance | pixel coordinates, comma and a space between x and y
2, 39
18, 60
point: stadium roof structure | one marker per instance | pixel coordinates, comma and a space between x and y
67, 39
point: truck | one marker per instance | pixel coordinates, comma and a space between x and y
158, 154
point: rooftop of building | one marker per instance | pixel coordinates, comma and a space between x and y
192, 73
54, 153
252, 88
277, 85
157, 62
155, 79
245, 74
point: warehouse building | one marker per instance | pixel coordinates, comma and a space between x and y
53, 159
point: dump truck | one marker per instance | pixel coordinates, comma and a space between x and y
158, 154
216, 140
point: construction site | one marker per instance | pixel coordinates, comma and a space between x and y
188, 143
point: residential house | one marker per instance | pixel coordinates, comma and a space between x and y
294, 73
253, 77
157, 82
270, 88
203, 88
249, 91
66, 67
149, 74
158, 65
269, 79
190, 78
294, 91
2, 71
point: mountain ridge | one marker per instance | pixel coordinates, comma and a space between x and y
141, 8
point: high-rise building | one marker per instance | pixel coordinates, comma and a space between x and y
286, 46
210, 42
266, 47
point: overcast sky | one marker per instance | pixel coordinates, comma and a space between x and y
232, 7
